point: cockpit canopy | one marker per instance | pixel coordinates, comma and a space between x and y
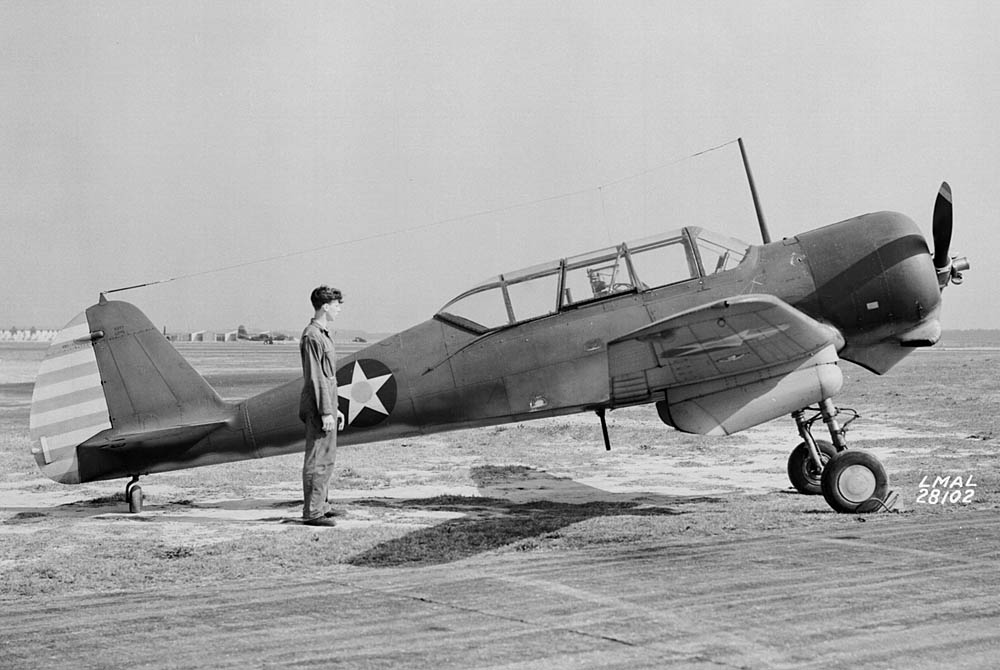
549, 288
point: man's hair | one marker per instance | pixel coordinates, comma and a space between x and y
324, 294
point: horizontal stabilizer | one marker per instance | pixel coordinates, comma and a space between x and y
152, 438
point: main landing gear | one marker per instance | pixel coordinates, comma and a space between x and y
850, 481
133, 494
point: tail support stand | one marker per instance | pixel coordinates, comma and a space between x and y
133, 495
604, 428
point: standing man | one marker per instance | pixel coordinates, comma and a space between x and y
318, 406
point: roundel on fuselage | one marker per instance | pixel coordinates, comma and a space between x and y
366, 391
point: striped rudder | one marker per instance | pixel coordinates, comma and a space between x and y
68, 405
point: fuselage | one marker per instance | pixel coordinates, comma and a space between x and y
525, 345
870, 277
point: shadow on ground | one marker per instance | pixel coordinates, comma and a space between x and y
516, 504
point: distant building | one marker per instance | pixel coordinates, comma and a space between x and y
29, 335
204, 336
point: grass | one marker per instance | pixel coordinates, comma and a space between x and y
543, 486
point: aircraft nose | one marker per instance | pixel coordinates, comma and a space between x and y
873, 272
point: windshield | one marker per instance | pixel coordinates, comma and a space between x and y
546, 289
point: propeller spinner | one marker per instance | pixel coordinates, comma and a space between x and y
949, 269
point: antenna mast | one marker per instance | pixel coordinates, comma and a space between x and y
765, 235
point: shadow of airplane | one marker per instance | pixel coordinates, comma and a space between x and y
516, 503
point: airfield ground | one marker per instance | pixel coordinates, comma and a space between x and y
521, 546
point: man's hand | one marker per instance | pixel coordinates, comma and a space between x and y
329, 424
340, 420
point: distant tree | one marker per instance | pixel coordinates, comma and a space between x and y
241, 333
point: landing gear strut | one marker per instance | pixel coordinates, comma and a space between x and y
133, 494
850, 481
806, 464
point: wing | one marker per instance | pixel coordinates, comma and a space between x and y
728, 365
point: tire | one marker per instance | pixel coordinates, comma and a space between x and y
851, 478
802, 470
134, 495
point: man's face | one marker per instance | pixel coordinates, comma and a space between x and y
333, 308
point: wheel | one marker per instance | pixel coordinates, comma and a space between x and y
134, 495
851, 478
802, 470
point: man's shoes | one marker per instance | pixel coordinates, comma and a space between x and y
333, 512
320, 521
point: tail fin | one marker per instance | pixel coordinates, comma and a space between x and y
111, 379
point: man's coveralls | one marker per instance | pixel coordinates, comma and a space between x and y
319, 397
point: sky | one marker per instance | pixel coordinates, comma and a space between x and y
238, 154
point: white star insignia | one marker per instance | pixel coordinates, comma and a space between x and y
362, 392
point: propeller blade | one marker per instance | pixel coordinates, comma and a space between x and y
942, 226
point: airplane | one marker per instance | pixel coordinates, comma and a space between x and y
718, 334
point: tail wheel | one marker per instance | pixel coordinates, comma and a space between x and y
135, 500
133, 495
851, 478
803, 472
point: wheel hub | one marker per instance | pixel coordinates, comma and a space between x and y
812, 471
857, 483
